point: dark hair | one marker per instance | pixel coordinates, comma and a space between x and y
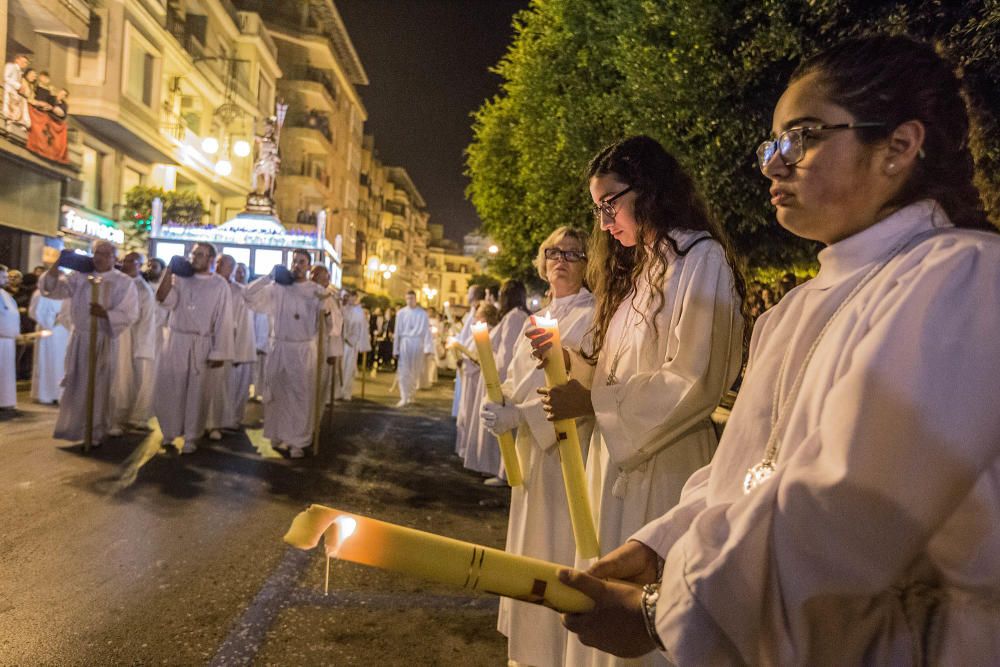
665, 200
212, 251
478, 293
513, 295
409, 292
894, 79
303, 251
159, 261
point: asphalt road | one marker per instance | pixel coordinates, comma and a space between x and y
113, 559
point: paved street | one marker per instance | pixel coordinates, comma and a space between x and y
179, 560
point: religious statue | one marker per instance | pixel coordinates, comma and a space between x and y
264, 176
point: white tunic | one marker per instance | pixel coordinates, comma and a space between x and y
118, 296
483, 451
334, 343
290, 369
132, 392
10, 329
262, 339
408, 343
355, 342
50, 352
883, 516
539, 516
466, 387
200, 329
653, 429
229, 386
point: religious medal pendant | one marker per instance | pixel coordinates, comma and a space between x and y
612, 379
757, 475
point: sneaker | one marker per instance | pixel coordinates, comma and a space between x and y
494, 481
115, 432
402, 402
279, 447
140, 427
189, 447
215, 434
297, 453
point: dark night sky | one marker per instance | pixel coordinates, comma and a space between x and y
427, 63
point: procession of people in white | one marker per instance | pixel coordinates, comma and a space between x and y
193, 350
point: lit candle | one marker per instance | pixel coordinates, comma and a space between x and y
488, 366
434, 557
568, 440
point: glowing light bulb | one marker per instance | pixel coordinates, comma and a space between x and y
223, 167
373, 263
383, 267
210, 145
386, 275
493, 249
392, 268
241, 148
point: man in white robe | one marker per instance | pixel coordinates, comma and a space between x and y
10, 329
334, 345
356, 341
116, 310
132, 393
199, 338
15, 105
467, 377
290, 374
50, 352
408, 346
229, 386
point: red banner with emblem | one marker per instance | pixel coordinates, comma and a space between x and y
47, 136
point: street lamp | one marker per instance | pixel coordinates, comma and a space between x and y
493, 249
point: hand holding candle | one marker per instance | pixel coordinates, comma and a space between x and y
449, 561
454, 344
568, 441
481, 335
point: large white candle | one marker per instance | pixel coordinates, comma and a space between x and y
395, 548
488, 366
568, 441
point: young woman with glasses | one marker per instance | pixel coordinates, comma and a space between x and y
852, 512
667, 343
539, 523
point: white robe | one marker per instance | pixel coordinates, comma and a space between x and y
200, 329
483, 451
229, 386
118, 296
262, 339
466, 380
653, 428
10, 329
50, 352
290, 372
334, 344
883, 515
356, 341
539, 515
15, 106
132, 392
409, 344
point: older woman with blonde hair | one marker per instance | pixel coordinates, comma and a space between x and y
539, 518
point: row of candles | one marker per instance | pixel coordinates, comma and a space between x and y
449, 561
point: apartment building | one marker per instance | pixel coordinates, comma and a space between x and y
321, 142
448, 270
166, 93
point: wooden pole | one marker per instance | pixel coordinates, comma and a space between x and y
320, 361
334, 382
95, 299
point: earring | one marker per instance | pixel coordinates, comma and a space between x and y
891, 168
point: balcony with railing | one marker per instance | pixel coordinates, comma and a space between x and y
315, 75
311, 120
308, 170
252, 24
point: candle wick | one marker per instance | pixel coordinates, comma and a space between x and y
326, 588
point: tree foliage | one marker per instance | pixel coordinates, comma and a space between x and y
701, 76
179, 207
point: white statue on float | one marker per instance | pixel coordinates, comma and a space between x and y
264, 177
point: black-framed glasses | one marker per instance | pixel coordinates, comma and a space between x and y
790, 145
567, 255
607, 207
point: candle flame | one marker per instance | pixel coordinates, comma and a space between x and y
480, 326
346, 526
545, 321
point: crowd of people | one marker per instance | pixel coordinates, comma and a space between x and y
848, 514
26, 87
192, 343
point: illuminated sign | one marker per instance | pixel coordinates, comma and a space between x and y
88, 224
245, 230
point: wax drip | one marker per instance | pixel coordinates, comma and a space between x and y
326, 586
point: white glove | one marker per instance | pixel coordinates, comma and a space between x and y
498, 418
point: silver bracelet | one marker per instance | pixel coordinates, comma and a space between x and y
650, 595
